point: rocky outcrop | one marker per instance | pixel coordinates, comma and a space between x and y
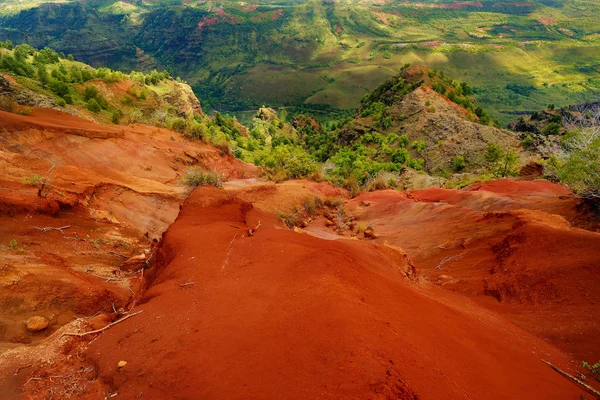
26, 97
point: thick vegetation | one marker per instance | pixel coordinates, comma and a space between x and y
311, 53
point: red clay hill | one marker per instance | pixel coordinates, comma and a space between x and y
451, 294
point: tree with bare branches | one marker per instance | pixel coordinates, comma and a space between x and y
578, 162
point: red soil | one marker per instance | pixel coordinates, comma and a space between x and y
513, 250
277, 313
286, 314
116, 187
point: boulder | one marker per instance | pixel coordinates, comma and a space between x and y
36, 324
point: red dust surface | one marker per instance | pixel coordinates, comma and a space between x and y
459, 295
286, 314
511, 246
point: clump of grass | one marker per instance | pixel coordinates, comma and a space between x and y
333, 203
310, 208
34, 180
318, 202
196, 176
7, 104
290, 220
594, 369
382, 180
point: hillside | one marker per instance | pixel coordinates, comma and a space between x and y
148, 250
238, 57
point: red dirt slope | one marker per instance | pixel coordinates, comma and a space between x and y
115, 187
508, 245
287, 315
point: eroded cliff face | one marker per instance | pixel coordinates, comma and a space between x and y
112, 191
422, 294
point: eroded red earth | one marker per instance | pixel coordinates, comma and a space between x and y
460, 295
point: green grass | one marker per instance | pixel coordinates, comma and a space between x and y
247, 57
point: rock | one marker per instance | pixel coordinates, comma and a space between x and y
370, 233
23, 339
531, 171
329, 223
444, 280
121, 364
134, 263
36, 324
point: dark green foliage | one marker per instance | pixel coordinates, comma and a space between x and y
59, 87
42, 74
93, 106
458, 164
179, 125
493, 153
552, 128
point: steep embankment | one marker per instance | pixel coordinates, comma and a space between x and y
509, 245
114, 188
278, 313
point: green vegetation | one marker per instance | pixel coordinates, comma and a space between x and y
594, 369
458, 164
302, 52
502, 162
197, 176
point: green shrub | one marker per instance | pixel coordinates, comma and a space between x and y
527, 142
196, 176
419, 145
287, 162
458, 164
493, 152
179, 125
552, 128
93, 106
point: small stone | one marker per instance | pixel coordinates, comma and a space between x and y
121, 364
370, 233
37, 323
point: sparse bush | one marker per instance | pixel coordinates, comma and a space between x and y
552, 128
594, 369
116, 116
493, 152
7, 104
196, 176
290, 220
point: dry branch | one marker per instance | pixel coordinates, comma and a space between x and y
102, 329
571, 377
50, 228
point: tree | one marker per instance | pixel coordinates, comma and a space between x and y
493, 153
503, 161
93, 106
578, 164
507, 164
42, 74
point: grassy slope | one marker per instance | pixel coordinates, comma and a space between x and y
316, 53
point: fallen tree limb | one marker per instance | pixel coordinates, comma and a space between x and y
50, 228
102, 329
571, 377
